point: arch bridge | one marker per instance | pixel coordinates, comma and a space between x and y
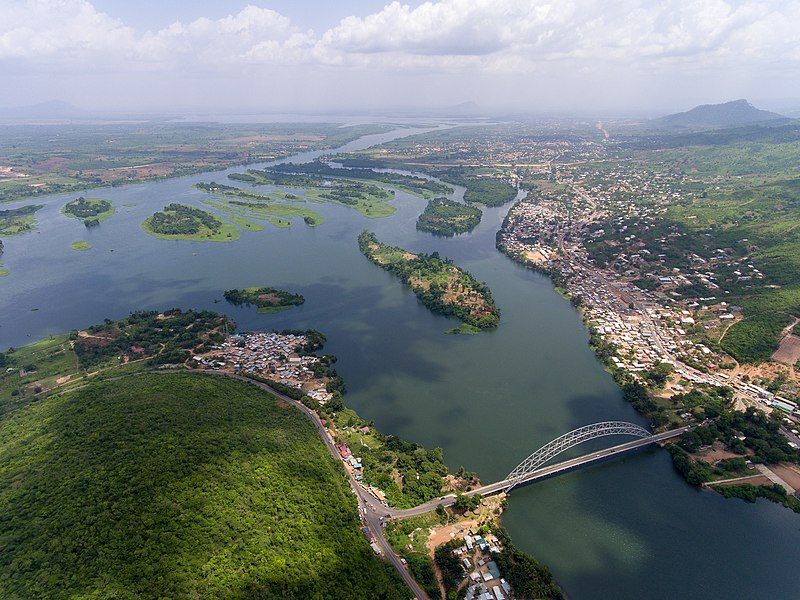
573, 438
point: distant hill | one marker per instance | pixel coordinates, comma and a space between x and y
727, 114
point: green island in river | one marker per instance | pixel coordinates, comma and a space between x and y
181, 222
440, 285
446, 217
91, 211
267, 299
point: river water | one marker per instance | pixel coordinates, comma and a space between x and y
630, 528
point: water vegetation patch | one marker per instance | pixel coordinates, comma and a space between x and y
181, 222
438, 283
80, 245
267, 299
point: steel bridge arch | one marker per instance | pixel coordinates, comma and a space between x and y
570, 440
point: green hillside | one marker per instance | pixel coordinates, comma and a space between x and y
176, 486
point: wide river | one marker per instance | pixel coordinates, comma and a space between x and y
630, 528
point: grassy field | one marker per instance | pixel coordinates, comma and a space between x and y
80, 245
176, 486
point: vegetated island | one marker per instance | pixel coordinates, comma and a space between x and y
448, 218
369, 199
169, 435
181, 222
267, 299
89, 210
245, 205
438, 283
15, 221
80, 245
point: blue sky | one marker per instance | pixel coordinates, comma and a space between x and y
155, 14
346, 55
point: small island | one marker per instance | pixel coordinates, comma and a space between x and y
267, 299
89, 210
448, 218
181, 222
438, 283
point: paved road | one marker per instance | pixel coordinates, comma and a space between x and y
375, 513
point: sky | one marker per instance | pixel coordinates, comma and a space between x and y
534, 56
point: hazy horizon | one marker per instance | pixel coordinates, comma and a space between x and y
583, 56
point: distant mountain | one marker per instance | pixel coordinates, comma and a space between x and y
727, 114
54, 109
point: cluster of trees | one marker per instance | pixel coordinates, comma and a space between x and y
446, 217
527, 578
164, 338
432, 269
449, 565
81, 208
481, 190
263, 297
751, 493
179, 219
177, 486
761, 436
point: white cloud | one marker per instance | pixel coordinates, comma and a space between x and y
449, 34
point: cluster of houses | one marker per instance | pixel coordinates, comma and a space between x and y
270, 355
647, 328
477, 559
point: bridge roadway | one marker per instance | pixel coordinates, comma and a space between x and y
542, 473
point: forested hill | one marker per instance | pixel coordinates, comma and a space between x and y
177, 486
